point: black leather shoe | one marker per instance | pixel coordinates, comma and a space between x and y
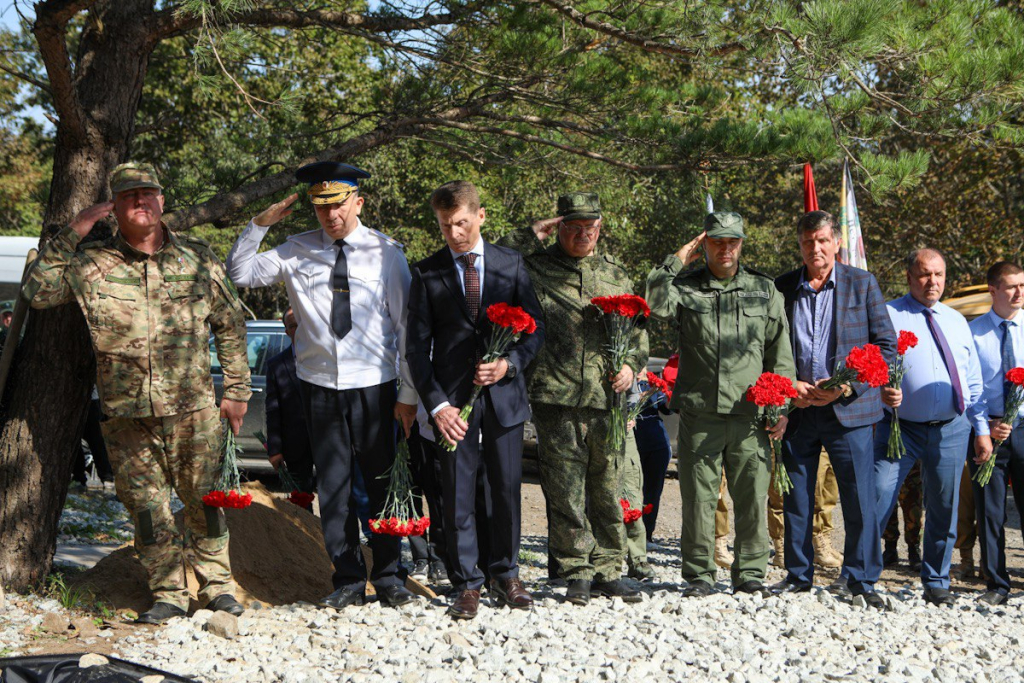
914, 558
890, 556
578, 592
159, 613
752, 588
698, 589
993, 598
873, 599
839, 588
342, 598
617, 589
938, 596
395, 596
783, 587
225, 603
437, 574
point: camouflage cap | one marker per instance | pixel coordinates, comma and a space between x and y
131, 176
579, 206
724, 224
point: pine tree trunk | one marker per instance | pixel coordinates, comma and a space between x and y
43, 411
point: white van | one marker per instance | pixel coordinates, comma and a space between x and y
15, 253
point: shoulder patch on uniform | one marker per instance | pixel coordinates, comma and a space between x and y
759, 274
124, 280
390, 240
754, 294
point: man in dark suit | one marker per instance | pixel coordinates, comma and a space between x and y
832, 308
287, 435
447, 334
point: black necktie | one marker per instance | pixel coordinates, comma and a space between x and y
341, 309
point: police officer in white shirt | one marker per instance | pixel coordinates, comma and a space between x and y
348, 286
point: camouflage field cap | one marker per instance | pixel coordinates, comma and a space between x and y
579, 206
724, 224
131, 176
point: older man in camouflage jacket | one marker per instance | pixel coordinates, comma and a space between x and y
151, 299
571, 394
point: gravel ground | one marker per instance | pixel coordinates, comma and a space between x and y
811, 637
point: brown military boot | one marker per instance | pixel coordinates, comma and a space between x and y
824, 554
965, 571
780, 553
723, 558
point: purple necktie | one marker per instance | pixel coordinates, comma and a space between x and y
947, 357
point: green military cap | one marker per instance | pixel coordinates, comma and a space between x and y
579, 206
6, 306
131, 176
724, 224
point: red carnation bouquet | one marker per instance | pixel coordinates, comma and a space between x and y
631, 514
297, 495
398, 518
622, 314
1013, 401
654, 385
863, 364
228, 492
508, 323
906, 341
771, 392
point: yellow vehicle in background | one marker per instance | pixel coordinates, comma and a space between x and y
971, 302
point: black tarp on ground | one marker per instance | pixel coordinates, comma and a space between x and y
65, 669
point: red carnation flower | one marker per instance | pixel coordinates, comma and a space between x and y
626, 305
514, 317
301, 498
771, 390
1016, 376
906, 340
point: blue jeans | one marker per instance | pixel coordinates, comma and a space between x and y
941, 450
849, 449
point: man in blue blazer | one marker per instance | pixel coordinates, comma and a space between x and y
448, 332
832, 308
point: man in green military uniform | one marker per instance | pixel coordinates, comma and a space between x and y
732, 327
151, 299
571, 388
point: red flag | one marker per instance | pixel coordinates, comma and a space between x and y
810, 194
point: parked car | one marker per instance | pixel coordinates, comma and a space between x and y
265, 339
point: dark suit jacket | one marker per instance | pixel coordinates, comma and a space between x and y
860, 317
286, 419
442, 342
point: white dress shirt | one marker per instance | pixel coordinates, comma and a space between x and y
379, 280
460, 270
988, 335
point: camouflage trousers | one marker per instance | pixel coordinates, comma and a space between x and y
911, 501
633, 491
151, 457
582, 480
708, 444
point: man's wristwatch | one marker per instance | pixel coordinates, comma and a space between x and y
847, 391
511, 372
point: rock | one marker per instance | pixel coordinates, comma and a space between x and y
223, 625
859, 602
92, 660
85, 627
201, 616
55, 623
155, 678
3, 600
456, 638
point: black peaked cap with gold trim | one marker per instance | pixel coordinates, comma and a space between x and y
330, 182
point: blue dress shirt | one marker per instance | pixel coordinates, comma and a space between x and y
460, 267
988, 335
814, 337
927, 389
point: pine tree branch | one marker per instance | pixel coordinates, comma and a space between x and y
28, 79
49, 29
644, 43
171, 22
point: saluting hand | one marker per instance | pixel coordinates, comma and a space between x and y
543, 229
83, 223
276, 212
690, 251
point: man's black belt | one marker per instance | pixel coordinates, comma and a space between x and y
931, 423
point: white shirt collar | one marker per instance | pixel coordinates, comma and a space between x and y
355, 237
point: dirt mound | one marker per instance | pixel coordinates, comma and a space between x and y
277, 557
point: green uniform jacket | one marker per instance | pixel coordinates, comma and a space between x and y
572, 367
150, 318
728, 335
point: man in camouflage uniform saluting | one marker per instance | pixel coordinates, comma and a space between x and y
571, 387
732, 327
151, 299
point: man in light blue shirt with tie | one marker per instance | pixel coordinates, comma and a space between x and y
999, 338
942, 382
